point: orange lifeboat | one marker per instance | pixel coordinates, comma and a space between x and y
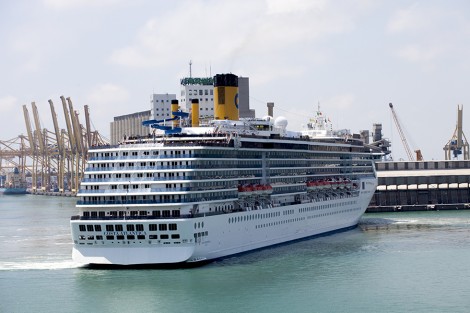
268, 189
245, 190
312, 185
258, 189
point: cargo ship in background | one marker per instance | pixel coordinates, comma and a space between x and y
14, 184
192, 193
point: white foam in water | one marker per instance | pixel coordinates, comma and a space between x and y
58, 265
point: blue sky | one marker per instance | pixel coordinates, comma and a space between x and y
352, 57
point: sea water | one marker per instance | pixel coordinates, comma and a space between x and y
393, 262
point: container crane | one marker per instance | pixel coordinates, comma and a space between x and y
458, 142
419, 155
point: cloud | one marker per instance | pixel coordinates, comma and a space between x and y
292, 6
74, 4
107, 100
223, 33
8, 103
339, 102
108, 94
420, 53
426, 34
412, 18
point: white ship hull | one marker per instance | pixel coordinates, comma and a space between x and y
227, 234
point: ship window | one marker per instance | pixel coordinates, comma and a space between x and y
130, 227
156, 213
130, 237
119, 227
172, 227
109, 237
175, 236
99, 237
101, 214
86, 213
120, 237
139, 227
89, 227
97, 227
94, 214
164, 236
152, 227
82, 227
141, 237
109, 227
175, 213
162, 227
166, 213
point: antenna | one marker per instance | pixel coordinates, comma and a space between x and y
190, 73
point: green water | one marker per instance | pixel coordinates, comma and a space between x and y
399, 262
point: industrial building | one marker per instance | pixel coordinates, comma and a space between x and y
421, 185
160, 105
129, 125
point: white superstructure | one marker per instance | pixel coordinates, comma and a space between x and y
211, 192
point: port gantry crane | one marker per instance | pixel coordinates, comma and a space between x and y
458, 142
419, 155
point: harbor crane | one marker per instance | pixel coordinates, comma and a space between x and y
458, 144
419, 155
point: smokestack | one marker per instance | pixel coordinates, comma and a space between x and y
270, 109
195, 112
377, 129
174, 108
226, 97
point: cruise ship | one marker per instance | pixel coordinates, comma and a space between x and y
188, 193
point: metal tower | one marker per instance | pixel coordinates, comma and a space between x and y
458, 144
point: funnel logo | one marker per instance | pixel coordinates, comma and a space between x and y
235, 100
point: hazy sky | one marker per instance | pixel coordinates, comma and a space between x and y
352, 57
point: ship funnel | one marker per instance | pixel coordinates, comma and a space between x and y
271, 109
174, 108
377, 131
226, 97
195, 112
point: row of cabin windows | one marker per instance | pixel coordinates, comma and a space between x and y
162, 213
129, 227
146, 153
129, 237
142, 164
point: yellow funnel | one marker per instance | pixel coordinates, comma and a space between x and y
226, 97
